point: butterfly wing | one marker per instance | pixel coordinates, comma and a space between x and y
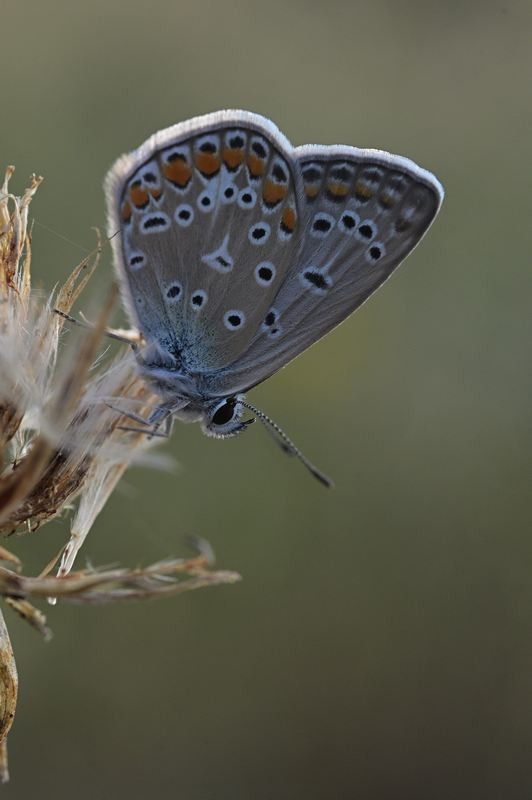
197, 209
360, 212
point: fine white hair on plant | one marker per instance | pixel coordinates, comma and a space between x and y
61, 441
66, 439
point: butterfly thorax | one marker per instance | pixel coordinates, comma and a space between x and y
185, 395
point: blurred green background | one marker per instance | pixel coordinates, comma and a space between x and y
380, 644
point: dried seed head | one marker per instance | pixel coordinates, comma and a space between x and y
60, 440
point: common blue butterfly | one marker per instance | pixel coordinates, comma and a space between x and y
236, 251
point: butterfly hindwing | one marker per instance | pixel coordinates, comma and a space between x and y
236, 251
206, 214
360, 213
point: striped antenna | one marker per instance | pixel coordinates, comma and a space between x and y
287, 444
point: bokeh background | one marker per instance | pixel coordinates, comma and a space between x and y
380, 644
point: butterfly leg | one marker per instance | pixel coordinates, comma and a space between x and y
149, 432
161, 417
130, 415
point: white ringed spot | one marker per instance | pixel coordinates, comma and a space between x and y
136, 260
259, 233
375, 252
265, 273
349, 222
205, 201
322, 225
173, 292
155, 223
198, 299
220, 259
366, 230
184, 215
247, 198
315, 280
234, 319
228, 194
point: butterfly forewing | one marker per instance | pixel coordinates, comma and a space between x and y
237, 251
207, 219
360, 213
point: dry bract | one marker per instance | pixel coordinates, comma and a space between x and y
61, 443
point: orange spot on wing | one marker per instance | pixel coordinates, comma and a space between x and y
233, 156
386, 200
126, 212
338, 188
178, 172
139, 196
256, 165
312, 189
402, 224
156, 193
273, 192
207, 163
363, 191
289, 219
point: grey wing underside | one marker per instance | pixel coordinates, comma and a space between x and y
332, 224
205, 215
360, 213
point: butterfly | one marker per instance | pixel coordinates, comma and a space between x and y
236, 251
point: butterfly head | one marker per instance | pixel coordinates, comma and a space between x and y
224, 418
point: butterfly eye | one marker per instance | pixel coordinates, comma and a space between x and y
224, 413
224, 420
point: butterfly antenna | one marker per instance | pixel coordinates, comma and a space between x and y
286, 443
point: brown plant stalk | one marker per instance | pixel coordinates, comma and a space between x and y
62, 444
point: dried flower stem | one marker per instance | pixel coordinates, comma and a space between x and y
8, 695
62, 441
169, 577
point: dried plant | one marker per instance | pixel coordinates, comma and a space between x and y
63, 444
